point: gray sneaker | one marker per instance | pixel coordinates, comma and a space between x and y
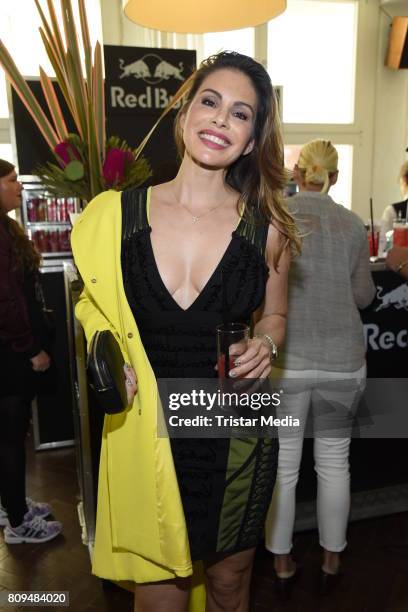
33, 531
34, 509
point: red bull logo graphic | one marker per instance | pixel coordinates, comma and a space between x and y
138, 69
152, 69
378, 340
164, 70
398, 298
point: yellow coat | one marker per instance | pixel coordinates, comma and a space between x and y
140, 530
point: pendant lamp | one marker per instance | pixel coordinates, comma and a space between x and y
192, 17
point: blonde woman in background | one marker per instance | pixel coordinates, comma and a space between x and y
324, 353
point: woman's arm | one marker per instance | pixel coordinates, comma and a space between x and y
15, 325
270, 319
91, 318
361, 278
397, 260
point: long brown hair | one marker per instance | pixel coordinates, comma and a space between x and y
259, 176
25, 256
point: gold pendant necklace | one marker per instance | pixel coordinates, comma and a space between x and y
196, 218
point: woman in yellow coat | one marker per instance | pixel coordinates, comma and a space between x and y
161, 268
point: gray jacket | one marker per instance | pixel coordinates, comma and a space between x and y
328, 284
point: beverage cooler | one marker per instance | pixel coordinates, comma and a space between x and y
88, 417
47, 223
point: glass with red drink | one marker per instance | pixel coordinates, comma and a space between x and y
373, 245
232, 341
400, 236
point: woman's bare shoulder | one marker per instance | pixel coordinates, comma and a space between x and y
162, 192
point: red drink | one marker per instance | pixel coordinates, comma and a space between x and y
42, 210
54, 241
400, 237
221, 366
32, 210
61, 210
232, 339
52, 209
373, 247
64, 240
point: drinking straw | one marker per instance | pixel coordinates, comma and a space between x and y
372, 226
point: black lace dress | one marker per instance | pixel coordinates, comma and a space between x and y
225, 484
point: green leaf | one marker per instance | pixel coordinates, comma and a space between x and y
74, 171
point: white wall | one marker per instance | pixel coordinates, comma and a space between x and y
391, 124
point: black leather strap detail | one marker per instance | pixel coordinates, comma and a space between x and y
134, 211
255, 231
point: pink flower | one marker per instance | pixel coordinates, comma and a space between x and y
114, 166
66, 153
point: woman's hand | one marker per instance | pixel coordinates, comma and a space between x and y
41, 362
395, 257
131, 382
254, 362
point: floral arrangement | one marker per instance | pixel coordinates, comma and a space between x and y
86, 161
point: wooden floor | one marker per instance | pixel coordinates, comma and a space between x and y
375, 579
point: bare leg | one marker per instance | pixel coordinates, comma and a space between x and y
228, 581
331, 562
163, 596
284, 565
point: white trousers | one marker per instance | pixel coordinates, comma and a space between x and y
331, 456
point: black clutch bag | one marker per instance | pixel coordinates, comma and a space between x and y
105, 372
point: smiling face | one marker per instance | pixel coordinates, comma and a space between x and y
219, 122
10, 192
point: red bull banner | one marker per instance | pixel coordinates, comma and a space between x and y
139, 83
386, 327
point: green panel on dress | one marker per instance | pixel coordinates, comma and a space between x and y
239, 475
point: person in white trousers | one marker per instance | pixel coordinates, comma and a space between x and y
324, 355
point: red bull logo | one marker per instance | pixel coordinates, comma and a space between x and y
138, 69
398, 298
152, 69
378, 340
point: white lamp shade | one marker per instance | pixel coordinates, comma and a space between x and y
192, 17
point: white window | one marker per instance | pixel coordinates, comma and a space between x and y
7, 153
311, 52
23, 41
235, 40
4, 112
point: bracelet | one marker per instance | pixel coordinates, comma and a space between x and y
272, 345
401, 265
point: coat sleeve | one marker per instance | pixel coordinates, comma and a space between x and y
92, 319
15, 302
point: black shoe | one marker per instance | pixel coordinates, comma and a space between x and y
328, 582
284, 586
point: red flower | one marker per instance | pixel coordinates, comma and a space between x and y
66, 153
114, 166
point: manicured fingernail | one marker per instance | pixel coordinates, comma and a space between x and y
237, 362
232, 373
